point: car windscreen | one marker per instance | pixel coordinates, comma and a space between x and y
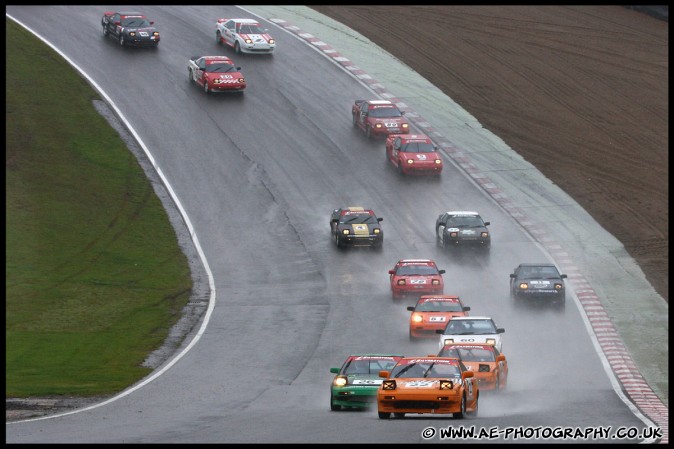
219, 68
369, 366
476, 355
439, 306
464, 222
417, 270
358, 219
135, 22
428, 369
470, 327
251, 29
384, 112
417, 147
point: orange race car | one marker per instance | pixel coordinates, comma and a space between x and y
437, 385
432, 312
489, 365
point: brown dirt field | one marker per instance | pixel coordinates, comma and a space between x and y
581, 92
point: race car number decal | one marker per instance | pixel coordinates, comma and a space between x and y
417, 281
468, 232
421, 157
466, 339
437, 318
367, 381
420, 383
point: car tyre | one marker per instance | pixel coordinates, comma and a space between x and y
368, 132
412, 337
384, 415
462, 413
354, 120
334, 407
398, 415
218, 37
498, 383
206, 87
440, 241
105, 30
400, 169
473, 414
338, 242
237, 48
122, 42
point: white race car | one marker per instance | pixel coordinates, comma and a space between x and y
471, 329
244, 36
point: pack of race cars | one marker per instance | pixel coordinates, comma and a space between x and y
470, 357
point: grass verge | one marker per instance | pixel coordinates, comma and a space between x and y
95, 277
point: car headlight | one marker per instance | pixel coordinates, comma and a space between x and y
248, 40
491, 341
524, 286
401, 282
388, 385
417, 318
410, 161
346, 232
339, 381
485, 234
558, 286
404, 126
377, 231
132, 33
449, 340
438, 161
435, 282
156, 33
272, 41
242, 80
377, 125
453, 234
446, 385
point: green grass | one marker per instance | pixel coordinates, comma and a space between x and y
95, 277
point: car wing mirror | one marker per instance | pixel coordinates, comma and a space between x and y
466, 308
391, 271
563, 276
334, 370
441, 271
512, 275
486, 223
500, 330
380, 219
410, 308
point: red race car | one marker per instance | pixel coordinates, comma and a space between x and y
432, 312
413, 154
216, 74
377, 118
416, 277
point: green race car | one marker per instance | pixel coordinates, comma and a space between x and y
356, 383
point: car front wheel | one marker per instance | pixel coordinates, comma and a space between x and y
462, 413
218, 37
237, 48
334, 407
122, 42
206, 86
105, 30
384, 415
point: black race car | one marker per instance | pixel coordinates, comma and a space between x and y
462, 229
541, 282
356, 226
130, 28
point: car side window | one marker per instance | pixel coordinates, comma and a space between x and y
230, 25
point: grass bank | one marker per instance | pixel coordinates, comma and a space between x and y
95, 277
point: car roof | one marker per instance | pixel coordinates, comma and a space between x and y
131, 14
374, 355
537, 265
472, 318
216, 58
426, 298
462, 212
408, 137
415, 260
380, 102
